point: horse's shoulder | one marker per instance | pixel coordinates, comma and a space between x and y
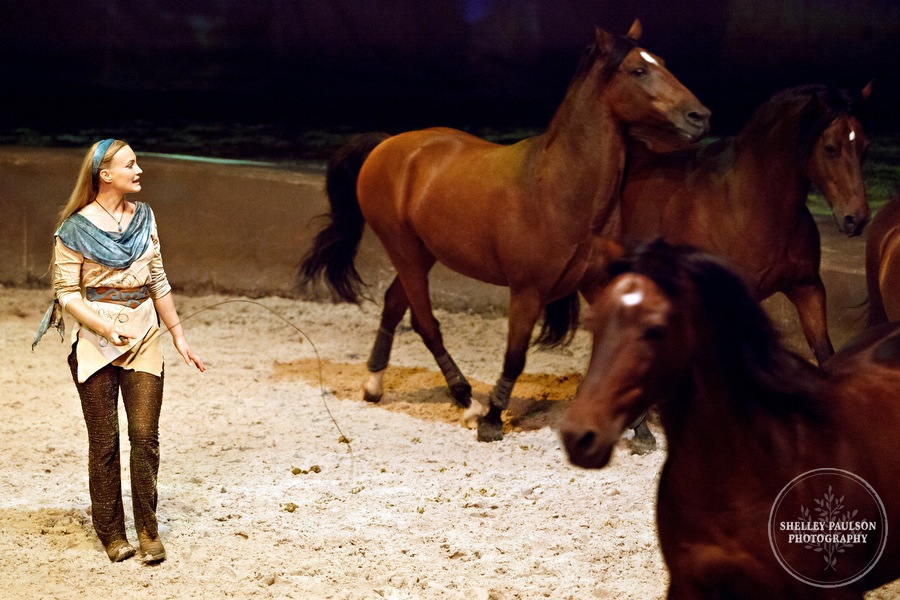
726, 565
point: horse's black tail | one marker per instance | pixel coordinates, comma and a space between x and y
334, 247
560, 322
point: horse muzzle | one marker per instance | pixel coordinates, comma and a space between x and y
681, 130
852, 224
588, 447
693, 123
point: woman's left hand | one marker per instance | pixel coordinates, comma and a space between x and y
184, 349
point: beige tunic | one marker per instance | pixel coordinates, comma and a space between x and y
72, 273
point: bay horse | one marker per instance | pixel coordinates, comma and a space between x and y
743, 416
883, 264
524, 216
745, 197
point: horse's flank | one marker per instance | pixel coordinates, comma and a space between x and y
497, 197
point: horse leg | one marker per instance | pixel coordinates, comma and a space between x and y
414, 278
524, 310
643, 441
395, 305
810, 303
460, 389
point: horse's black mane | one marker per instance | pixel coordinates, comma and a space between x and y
822, 104
748, 348
621, 47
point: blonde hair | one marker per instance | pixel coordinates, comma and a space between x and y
85, 190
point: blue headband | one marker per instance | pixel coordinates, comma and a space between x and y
99, 152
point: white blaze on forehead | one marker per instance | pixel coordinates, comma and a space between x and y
852, 135
648, 58
632, 298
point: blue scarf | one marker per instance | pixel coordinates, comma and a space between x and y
104, 248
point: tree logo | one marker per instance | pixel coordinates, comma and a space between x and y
828, 527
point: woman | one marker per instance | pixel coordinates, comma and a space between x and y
106, 266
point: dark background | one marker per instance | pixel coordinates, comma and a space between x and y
274, 70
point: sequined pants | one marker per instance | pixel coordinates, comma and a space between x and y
142, 397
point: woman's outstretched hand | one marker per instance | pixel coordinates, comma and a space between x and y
184, 349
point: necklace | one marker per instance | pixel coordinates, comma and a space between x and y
118, 221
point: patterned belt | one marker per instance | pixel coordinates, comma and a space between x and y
128, 297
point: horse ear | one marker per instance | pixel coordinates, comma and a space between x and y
605, 40
866, 91
635, 31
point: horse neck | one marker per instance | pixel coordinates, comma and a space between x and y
709, 423
693, 414
582, 154
640, 157
768, 154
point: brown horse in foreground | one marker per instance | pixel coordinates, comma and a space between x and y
745, 198
744, 419
522, 216
883, 264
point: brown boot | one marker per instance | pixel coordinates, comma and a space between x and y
119, 550
151, 547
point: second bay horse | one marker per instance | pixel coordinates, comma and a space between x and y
522, 216
883, 264
745, 198
746, 421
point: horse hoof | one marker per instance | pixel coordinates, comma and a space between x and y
643, 441
462, 394
370, 397
489, 431
642, 445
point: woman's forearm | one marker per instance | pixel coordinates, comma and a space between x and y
87, 316
165, 307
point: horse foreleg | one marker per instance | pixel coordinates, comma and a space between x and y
395, 305
810, 303
524, 310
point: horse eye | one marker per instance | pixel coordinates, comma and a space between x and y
639, 72
830, 150
654, 333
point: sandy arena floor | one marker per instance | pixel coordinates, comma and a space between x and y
260, 498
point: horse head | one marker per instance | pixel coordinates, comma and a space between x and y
657, 108
641, 350
678, 325
835, 156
